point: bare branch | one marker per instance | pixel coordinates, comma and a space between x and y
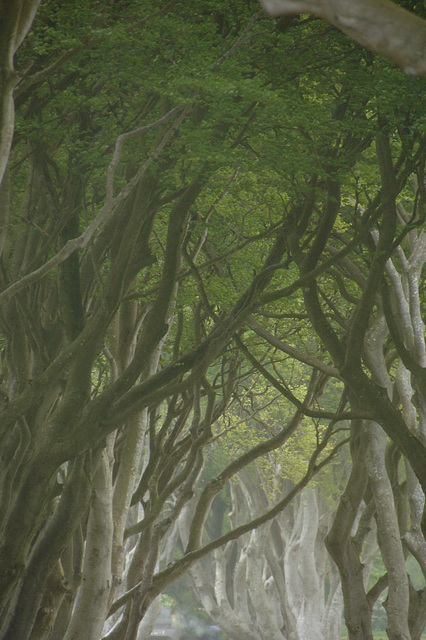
379, 25
255, 17
292, 351
40, 76
111, 203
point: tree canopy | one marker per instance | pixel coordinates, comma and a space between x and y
212, 247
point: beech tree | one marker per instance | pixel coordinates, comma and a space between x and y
17, 19
96, 334
380, 25
160, 215
377, 486
270, 583
379, 464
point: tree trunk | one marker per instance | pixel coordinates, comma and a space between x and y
341, 548
388, 535
17, 18
303, 589
91, 603
44, 556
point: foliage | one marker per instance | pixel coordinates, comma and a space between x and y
184, 244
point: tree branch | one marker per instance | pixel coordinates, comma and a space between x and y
80, 243
379, 25
292, 351
166, 576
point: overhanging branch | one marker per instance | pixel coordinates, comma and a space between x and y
379, 25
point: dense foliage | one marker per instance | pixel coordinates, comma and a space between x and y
212, 247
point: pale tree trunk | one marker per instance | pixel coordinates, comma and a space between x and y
278, 570
148, 623
17, 18
212, 594
123, 491
166, 555
267, 620
91, 603
123, 336
238, 622
397, 605
332, 616
304, 591
241, 603
379, 25
342, 548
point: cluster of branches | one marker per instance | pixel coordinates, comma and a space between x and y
114, 374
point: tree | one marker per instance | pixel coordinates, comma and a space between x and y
151, 222
17, 21
378, 464
97, 341
381, 25
271, 582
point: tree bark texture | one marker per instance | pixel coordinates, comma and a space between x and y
271, 584
379, 25
17, 18
136, 242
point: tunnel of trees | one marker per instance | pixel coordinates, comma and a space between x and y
212, 303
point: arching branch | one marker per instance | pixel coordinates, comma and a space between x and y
379, 25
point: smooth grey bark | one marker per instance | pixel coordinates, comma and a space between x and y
379, 25
332, 616
343, 549
17, 18
91, 604
270, 584
123, 337
148, 623
48, 547
304, 584
397, 605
